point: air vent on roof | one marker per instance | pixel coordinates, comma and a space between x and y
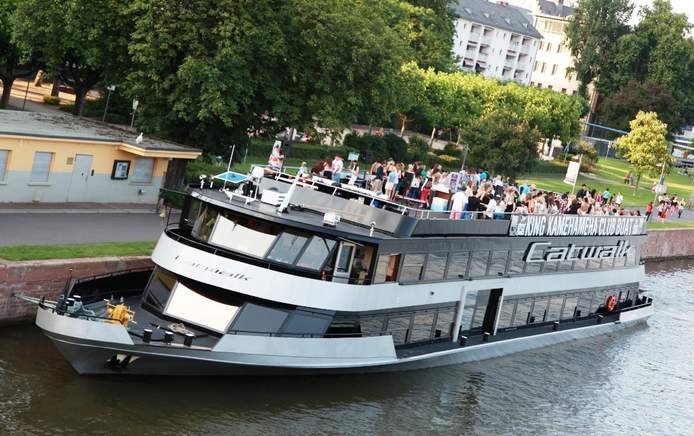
468, 10
508, 21
486, 15
525, 25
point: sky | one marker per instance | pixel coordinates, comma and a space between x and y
681, 6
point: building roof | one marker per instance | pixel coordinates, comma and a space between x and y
554, 8
500, 16
64, 126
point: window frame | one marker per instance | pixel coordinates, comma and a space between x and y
32, 175
134, 177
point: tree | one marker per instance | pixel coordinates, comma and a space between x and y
428, 26
659, 51
645, 146
84, 42
501, 141
10, 54
211, 71
618, 110
592, 33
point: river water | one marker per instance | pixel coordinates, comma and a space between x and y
640, 381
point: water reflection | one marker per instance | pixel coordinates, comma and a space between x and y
640, 381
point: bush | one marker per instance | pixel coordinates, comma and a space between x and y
418, 149
49, 99
204, 165
378, 147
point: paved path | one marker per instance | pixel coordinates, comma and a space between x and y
71, 228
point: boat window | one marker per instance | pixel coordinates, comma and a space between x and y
554, 308
522, 314
570, 307
565, 265
580, 264
371, 325
480, 309
506, 315
259, 319
539, 310
287, 247
204, 223
422, 326
444, 322
533, 267
631, 256
316, 252
498, 263
620, 262
302, 322
457, 266
584, 301
478, 265
436, 266
593, 263
517, 263
194, 208
344, 258
248, 236
187, 305
387, 268
361, 265
398, 327
550, 267
412, 267
159, 289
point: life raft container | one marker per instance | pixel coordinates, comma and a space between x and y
611, 303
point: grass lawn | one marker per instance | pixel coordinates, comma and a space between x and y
614, 171
670, 225
68, 251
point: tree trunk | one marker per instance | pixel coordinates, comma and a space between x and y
403, 122
431, 140
6, 92
80, 95
457, 141
636, 187
55, 90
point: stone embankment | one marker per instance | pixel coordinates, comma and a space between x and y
668, 244
47, 278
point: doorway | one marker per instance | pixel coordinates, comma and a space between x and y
79, 182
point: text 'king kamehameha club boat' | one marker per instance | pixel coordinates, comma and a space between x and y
312, 278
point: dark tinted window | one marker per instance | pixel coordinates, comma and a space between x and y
478, 265
159, 289
412, 267
287, 248
302, 322
457, 265
316, 252
259, 319
436, 266
498, 264
517, 263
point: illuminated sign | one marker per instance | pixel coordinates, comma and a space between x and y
539, 252
576, 225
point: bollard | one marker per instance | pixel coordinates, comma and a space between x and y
147, 335
555, 326
600, 319
168, 337
462, 340
188, 340
485, 337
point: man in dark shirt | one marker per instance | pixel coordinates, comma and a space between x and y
582, 192
473, 204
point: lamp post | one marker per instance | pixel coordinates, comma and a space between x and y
110, 89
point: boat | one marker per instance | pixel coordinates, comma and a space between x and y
286, 275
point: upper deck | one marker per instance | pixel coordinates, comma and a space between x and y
364, 214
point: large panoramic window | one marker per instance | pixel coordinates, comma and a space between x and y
41, 168
436, 266
287, 247
143, 170
316, 252
4, 157
457, 265
387, 268
254, 238
187, 305
412, 267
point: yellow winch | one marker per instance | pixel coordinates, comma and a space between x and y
119, 314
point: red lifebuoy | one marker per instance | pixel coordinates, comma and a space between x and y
611, 303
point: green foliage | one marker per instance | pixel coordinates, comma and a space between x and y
378, 147
429, 31
658, 50
645, 146
618, 110
83, 41
592, 34
51, 100
11, 55
590, 156
503, 143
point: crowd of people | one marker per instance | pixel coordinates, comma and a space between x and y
476, 193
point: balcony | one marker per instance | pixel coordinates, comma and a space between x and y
510, 63
525, 49
487, 40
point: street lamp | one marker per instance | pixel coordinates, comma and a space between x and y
110, 89
136, 103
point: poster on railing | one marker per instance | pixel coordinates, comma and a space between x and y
572, 173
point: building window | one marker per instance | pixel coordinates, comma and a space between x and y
554, 69
563, 90
549, 86
535, 66
542, 45
549, 46
544, 67
4, 157
143, 170
41, 168
560, 47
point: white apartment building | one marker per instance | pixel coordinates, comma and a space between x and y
553, 63
495, 39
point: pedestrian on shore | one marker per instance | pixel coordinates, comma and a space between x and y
649, 211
